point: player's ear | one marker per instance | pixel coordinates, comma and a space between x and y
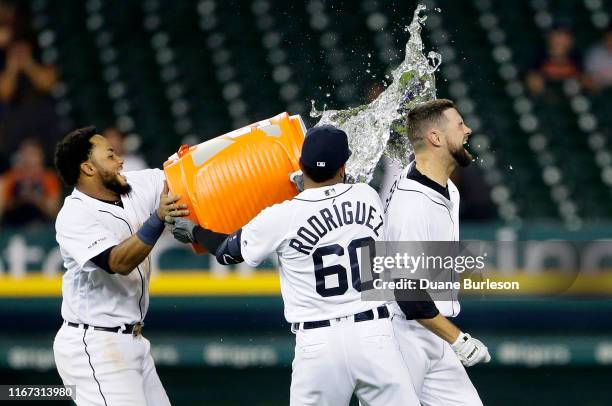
342, 172
87, 168
434, 137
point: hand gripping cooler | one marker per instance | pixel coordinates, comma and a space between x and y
226, 181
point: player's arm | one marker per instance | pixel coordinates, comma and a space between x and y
442, 327
126, 256
264, 233
469, 350
226, 248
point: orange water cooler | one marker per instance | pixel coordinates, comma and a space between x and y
227, 180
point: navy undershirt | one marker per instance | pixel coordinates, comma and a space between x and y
417, 176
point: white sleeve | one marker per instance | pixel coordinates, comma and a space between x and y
152, 180
83, 236
158, 177
264, 234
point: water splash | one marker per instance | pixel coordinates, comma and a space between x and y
378, 127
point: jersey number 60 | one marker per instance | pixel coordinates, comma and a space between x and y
322, 271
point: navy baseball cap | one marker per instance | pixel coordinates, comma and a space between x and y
325, 147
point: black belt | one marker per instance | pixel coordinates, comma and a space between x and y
383, 313
135, 329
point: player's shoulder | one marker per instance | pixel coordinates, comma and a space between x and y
363, 189
279, 209
409, 194
410, 189
144, 176
73, 211
276, 216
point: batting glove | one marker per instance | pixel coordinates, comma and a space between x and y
470, 351
297, 178
182, 229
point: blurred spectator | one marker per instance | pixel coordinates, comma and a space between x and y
14, 21
557, 62
598, 62
131, 162
25, 83
29, 193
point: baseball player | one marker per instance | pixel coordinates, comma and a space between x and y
106, 230
423, 205
343, 345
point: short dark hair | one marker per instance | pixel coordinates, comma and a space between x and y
71, 152
422, 116
318, 175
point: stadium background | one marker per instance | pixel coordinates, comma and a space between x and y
186, 71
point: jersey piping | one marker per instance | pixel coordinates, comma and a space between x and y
137, 266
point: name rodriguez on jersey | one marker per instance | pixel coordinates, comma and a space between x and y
326, 220
466, 284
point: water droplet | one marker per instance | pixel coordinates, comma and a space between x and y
327, 94
510, 167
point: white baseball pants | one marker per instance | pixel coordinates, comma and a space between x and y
438, 376
333, 362
108, 369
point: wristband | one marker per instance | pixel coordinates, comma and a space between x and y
462, 338
151, 230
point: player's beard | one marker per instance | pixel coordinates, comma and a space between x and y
112, 183
461, 156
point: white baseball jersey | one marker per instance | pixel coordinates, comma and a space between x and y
416, 212
317, 237
86, 227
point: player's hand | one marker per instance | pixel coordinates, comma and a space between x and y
168, 205
182, 229
297, 178
470, 351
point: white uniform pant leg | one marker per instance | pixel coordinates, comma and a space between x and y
107, 368
439, 377
320, 374
155, 393
381, 375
